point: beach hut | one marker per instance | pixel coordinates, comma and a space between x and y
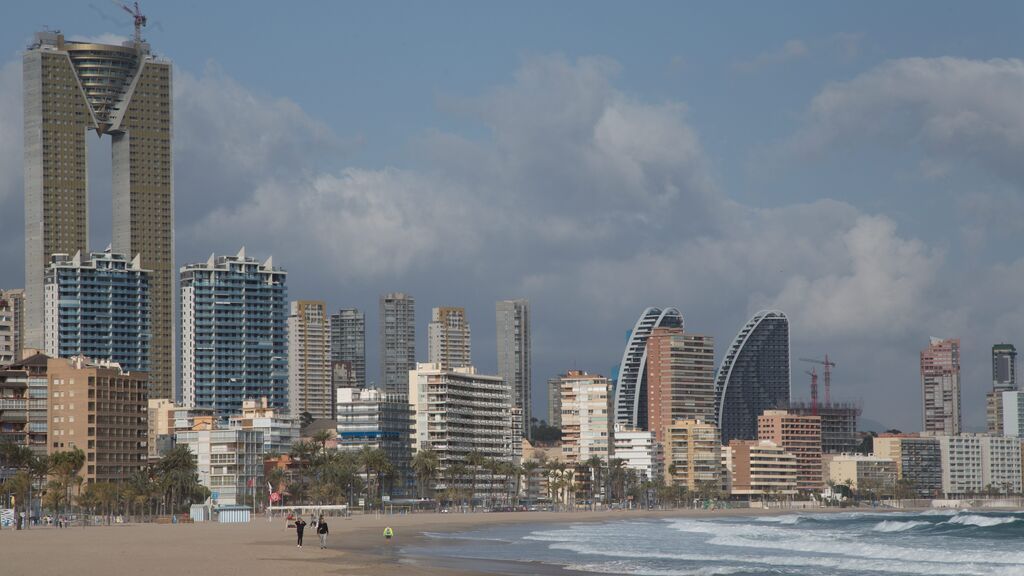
233, 514
200, 512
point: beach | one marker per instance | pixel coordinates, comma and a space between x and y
355, 547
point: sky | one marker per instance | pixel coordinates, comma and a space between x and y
856, 165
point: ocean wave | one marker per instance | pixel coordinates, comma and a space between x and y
761, 563
899, 526
940, 512
463, 536
633, 570
981, 521
788, 519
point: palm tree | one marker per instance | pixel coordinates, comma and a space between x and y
64, 468
425, 465
528, 468
596, 465
474, 460
322, 437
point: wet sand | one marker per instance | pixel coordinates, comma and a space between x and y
356, 546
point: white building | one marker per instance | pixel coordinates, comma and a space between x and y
448, 338
1013, 413
975, 463
457, 412
279, 430
638, 450
228, 462
586, 416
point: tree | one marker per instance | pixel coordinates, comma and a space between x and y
528, 468
64, 469
596, 466
425, 465
322, 437
177, 476
474, 460
544, 433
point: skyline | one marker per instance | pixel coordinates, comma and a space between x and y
620, 162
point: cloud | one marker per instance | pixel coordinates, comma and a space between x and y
791, 50
950, 108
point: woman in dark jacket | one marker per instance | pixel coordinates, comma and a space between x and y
321, 530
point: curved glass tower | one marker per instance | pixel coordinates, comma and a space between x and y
631, 386
754, 375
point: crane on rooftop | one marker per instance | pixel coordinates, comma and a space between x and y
828, 375
140, 19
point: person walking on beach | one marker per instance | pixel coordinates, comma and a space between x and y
321, 530
300, 526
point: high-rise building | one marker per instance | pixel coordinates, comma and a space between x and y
693, 454
754, 375
234, 343
801, 437
448, 338
555, 402
586, 416
918, 461
1012, 414
838, 424
98, 307
758, 468
940, 386
680, 378
310, 389
1004, 379
457, 412
12, 325
101, 409
374, 419
348, 342
631, 383
342, 375
24, 422
124, 91
397, 341
512, 319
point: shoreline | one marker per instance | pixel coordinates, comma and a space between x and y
355, 545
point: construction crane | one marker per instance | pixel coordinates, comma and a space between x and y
828, 375
140, 19
814, 390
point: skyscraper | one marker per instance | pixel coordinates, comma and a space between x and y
631, 385
586, 416
234, 343
1004, 379
680, 378
124, 91
397, 341
310, 389
448, 338
940, 386
98, 307
754, 375
512, 320
348, 342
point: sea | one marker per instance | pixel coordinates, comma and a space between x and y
933, 542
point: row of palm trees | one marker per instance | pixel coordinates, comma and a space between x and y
169, 486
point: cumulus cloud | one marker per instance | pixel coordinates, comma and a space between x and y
952, 108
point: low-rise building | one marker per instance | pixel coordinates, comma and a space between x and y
160, 422
864, 473
101, 409
638, 451
693, 454
755, 468
974, 464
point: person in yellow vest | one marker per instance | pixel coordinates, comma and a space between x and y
388, 533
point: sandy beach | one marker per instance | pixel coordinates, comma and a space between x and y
356, 546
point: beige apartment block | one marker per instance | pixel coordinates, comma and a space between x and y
160, 424
448, 338
99, 408
864, 473
693, 454
309, 360
801, 437
759, 468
